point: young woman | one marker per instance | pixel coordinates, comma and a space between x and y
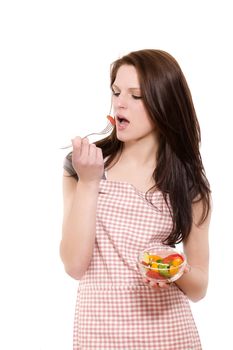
140, 187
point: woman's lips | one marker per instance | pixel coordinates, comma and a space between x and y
122, 118
122, 122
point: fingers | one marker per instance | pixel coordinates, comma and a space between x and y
158, 286
187, 268
164, 285
83, 149
87, 160
99, 154
77, 144
154, 285
92, 151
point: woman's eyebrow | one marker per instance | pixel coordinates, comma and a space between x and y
129, 89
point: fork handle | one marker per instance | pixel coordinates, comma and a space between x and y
66, 147
71, 145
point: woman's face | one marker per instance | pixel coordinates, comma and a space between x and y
132, 119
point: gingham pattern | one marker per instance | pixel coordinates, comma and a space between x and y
115, 310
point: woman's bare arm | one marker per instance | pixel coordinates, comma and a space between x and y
78, 229
194, 283
80, 204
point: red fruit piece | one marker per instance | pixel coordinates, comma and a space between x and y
154, 274
111, 119
171, 257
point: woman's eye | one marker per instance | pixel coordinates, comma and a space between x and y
115, 93
136, 97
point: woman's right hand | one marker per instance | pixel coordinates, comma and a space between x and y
87, 160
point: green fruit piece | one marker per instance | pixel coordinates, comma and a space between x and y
164, 270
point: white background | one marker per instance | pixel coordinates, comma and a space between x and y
54, 84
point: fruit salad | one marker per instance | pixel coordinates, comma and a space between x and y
166, 266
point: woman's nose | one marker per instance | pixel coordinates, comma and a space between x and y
122, 101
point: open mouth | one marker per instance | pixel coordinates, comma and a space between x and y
122, 120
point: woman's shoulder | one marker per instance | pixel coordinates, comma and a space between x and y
67, 164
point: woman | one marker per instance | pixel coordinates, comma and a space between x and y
142, 186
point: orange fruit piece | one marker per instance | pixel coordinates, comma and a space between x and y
154, 258
177, 261
173, 270
154, 265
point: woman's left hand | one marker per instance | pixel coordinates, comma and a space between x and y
164, 285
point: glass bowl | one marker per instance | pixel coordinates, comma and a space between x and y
161, 265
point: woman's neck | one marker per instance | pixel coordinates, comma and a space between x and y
139, 153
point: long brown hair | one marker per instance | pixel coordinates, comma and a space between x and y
179, 173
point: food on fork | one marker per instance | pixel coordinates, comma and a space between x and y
111, 119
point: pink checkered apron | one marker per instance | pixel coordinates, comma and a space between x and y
115, 310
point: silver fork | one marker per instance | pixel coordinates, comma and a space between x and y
107, 129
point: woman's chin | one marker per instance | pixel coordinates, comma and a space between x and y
123, 138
